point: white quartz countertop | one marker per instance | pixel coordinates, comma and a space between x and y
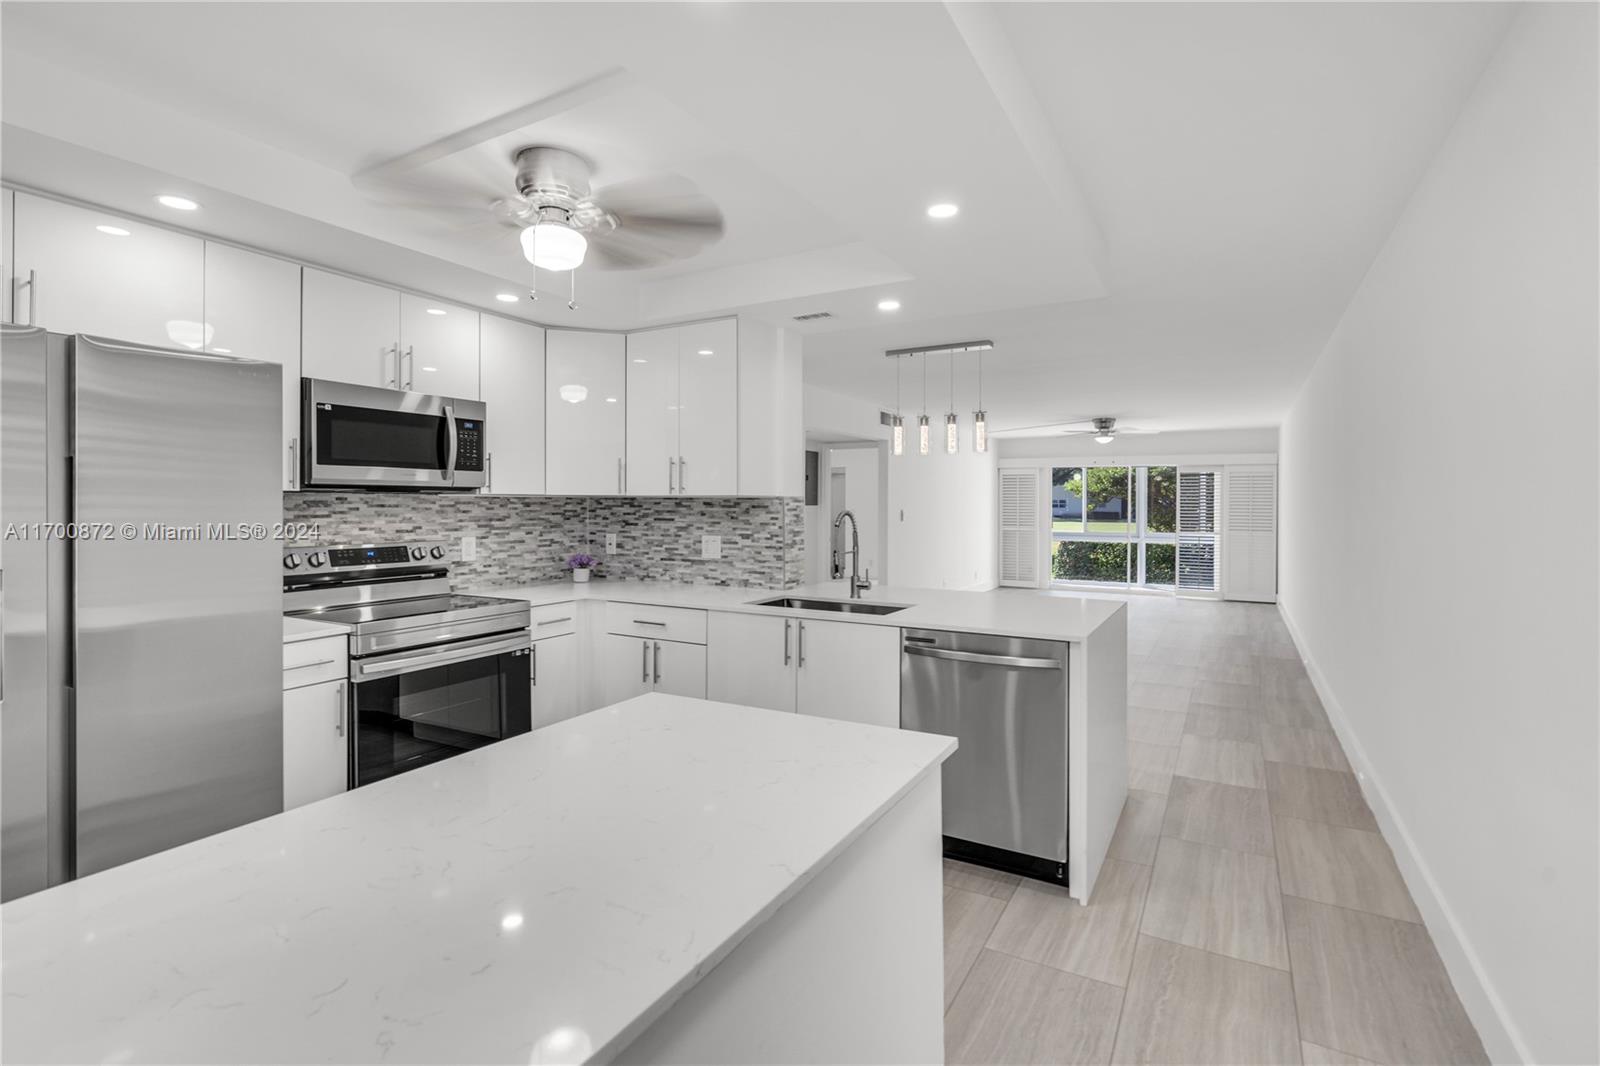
298, 629
542, 899
1038, 613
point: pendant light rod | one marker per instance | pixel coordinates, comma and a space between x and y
958, 348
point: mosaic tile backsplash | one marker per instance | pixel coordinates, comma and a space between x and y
522, 539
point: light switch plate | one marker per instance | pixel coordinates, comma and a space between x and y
469, 549
611, 543
710, 546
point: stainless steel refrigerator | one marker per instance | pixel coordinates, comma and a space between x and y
142, 704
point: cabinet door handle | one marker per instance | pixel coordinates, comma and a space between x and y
658, 663
394, 350
800, 645
786, 624
619, 477
683, 475
32, 285
307, 666
646, 661
338, 699
411, 365
554, 621
671, 465
533, 663
291, 462
647, 622
488, 472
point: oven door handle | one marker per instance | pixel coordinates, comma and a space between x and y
450, 432
389, 665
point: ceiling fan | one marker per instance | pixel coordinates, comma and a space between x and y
1104, 429
564, 222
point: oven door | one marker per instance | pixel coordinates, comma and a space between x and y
358, 436
418, 706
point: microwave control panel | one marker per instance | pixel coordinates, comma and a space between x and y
469, 444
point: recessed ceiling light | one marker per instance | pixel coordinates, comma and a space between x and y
114, 231
223, 351
435, 310
511, 921
430, 369
705, 351
506, 297
888, 305
177, 203
641, 360
611, 399
943, 211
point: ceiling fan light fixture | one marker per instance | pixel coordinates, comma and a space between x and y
1104, 438
554, 246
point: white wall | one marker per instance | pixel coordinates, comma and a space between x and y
943, 526
1457, 650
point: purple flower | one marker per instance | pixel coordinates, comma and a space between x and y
581, 561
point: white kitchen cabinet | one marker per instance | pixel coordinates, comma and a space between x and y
315, 747
585, 413
849, 671
511, 369
653, 412
708, 408
252, 309
350, 330
438, 347
79, 270
683, 410
771, 428
554, 675
636, 665
750, 660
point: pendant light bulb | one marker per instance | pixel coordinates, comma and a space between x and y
951, 434
899, 435
980, 431
922, 434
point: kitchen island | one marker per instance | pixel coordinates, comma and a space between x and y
662, 880
745, 655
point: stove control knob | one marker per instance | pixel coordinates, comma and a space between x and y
317, 558
436, 551
419, 553
291, 561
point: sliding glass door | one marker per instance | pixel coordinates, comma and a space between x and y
1150, 526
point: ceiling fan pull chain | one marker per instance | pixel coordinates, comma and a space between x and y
572, 302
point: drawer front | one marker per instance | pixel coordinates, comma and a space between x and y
661, 623
552, 620
310, 662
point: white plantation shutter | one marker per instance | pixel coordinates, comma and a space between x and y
1250, 534
1197, 530
1020, 522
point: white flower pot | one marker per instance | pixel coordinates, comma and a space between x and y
580, 574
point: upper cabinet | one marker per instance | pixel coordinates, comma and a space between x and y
439, 347
771, 429
683, 410
367, 334
79, 270
585, 402
8, 205
511, 364
252, 309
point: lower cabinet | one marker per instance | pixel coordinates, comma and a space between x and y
315, 746
844, 670
554, 672
636, 665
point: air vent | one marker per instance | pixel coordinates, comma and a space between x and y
813, 316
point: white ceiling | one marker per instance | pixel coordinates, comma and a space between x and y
1164, 206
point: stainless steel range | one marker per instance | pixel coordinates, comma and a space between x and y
432, 673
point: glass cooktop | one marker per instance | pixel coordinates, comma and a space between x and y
419, 609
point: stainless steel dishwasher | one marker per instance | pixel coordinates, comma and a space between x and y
1005, 788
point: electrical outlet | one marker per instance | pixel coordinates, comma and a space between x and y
469, 549
710, 546
611, 544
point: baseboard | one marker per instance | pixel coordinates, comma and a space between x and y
1500, 1036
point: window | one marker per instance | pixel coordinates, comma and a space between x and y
1133, 525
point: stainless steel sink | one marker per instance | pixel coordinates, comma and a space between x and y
842, 606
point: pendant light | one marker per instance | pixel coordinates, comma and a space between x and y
922, 423
899, 424
951, 435
980, 429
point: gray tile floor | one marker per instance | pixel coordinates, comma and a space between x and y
1249, 910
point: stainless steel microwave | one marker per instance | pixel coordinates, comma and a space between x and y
357, 436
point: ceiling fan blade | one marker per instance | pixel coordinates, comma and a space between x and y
657, 221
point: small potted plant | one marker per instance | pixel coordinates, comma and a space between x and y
581, 563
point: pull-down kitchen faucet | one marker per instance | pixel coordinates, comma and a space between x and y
856, 583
